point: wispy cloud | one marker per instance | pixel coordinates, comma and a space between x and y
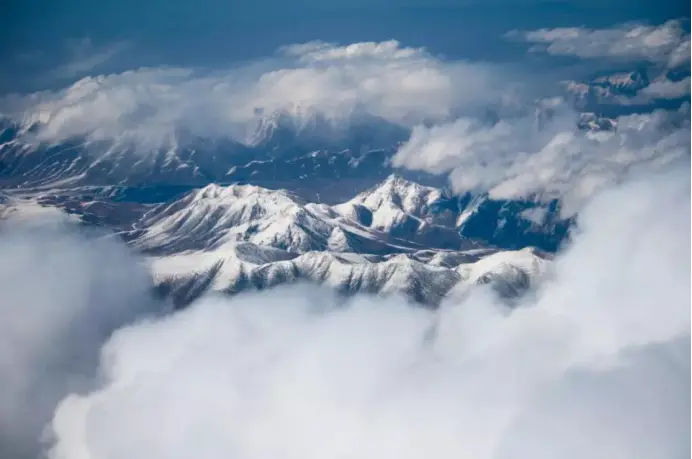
83, 57
666, 44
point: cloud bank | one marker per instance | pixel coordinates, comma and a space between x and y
543, 154
595, 365
546, 154
667, 44
149, 107
62, 295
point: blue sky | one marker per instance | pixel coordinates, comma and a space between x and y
214, 33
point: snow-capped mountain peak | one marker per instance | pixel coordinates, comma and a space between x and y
216, 215
238, 237
394, 203
398, 192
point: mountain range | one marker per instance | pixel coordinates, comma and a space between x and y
290, 206
385, 240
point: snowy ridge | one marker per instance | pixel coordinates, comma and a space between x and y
29, 157
231, 239
215, 215
414, 275
393, 203
239, 237
390, 218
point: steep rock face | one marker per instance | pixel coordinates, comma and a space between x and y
28, 160
624, 82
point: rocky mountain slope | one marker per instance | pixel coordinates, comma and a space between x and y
391, 238
385, 240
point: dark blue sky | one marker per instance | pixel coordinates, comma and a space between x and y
209, 33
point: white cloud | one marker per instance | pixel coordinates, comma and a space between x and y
521, 157
62, 296
595, 365
149, 106
681, 54
664, 88
666, 44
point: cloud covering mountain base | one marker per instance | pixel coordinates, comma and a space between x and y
594, 364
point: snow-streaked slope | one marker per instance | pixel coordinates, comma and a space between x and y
231, 239
509, 272
393, 204
17, 209
527, 260
402, 209
413, 212
214, 216
278, 148
188, 275
383, 241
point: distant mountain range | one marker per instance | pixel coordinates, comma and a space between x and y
278, 150
290, 206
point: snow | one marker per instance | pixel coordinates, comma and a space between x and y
382, 241
237, 237
392, 202
505, 263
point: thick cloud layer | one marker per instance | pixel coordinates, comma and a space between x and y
62, 295
150, 106
667, 44
544, 154
595, 365
547, 155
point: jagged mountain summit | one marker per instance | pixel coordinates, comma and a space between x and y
423, 276
394, 237
395, 216
385, 240
392, 217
